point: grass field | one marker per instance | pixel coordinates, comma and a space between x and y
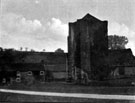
72, 88
63, 87
27, 98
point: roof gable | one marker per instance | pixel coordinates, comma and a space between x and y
89, 17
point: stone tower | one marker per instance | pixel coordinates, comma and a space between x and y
87, 46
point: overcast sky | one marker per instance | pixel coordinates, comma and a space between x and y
43, 24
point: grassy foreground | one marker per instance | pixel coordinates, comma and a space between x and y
15, 98
63, 87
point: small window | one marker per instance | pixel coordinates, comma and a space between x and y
29, 72
18, 79
18, 73
4, 80
42, 72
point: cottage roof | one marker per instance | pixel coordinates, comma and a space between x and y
38, 57
37, 67
27, 67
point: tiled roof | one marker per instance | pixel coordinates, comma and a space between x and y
27, 67
37, 67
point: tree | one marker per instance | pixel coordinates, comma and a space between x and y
43, 50
59, 50
8, 56
1, 49
117, 42
21, 48
32, 50
26, 49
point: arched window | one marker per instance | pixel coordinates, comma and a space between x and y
18, 74
29, 72
18, 79
42, 72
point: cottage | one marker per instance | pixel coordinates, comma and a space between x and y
40, 72
30, 72
19, 72
123, 63
40, 66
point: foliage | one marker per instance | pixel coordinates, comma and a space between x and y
59, 50
117, 42
44, 50
1, 49
7, 56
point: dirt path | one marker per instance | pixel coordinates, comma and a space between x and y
76, 95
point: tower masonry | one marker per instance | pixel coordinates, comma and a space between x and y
87, 47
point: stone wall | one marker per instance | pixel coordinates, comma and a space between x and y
87, 45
